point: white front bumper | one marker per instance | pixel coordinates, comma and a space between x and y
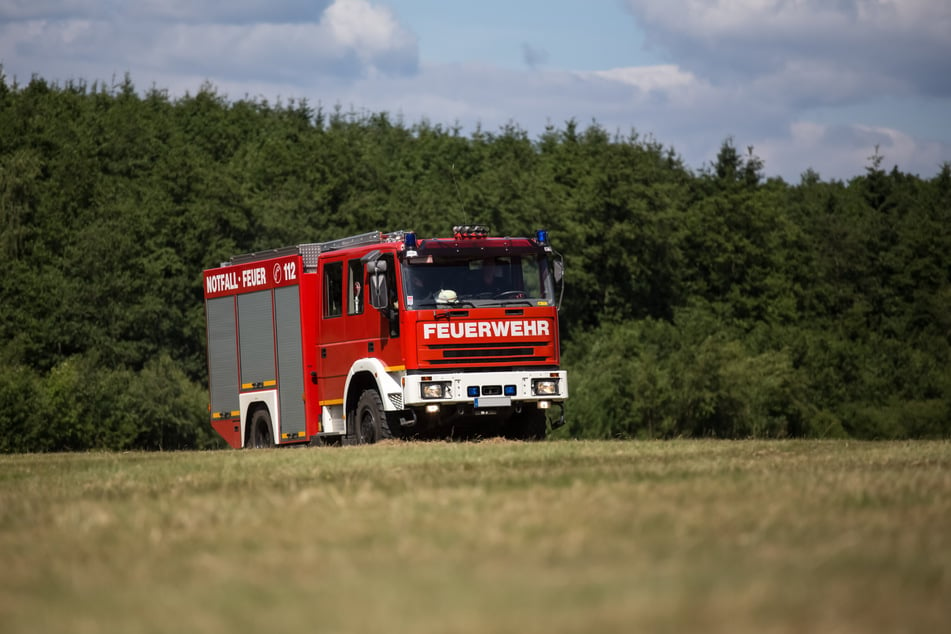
491, 387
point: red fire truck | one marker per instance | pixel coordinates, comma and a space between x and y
384, 335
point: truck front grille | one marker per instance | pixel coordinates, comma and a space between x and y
486, 353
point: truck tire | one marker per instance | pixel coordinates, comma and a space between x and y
369, 423
529, 424
259, 430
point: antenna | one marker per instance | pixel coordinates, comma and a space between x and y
452, 172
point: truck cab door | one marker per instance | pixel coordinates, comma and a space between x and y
331, 329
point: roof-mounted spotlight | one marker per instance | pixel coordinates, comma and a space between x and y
470, 231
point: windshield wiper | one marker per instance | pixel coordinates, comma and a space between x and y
511, 302
434, 304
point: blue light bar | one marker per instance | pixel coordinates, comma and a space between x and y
409, 240
541, 237
510, 390
472, 390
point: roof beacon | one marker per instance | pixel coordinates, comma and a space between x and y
409, 242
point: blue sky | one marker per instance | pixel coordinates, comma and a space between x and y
574, 35
808, 83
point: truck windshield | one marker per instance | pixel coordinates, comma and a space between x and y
511, 279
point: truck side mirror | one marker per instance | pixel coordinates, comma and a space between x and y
379, 291
559, 275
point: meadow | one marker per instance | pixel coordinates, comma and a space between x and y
434, 537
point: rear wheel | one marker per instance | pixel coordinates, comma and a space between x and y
370, 424
259, 432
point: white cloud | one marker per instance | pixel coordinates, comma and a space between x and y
782, 75
372, 33
804, 84
734, 40
356, 23
674, 107
648, 78
842, 151
758, 68
351, 38
191, 11
11, 10
211, 12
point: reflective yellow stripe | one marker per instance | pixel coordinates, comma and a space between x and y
299, 434
252, 386
395, 368
332, 401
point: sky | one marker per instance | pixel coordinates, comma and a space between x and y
808, 84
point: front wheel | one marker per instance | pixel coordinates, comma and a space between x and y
370, 424
259, 431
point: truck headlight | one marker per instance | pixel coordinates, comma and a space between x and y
544, 387
435, 390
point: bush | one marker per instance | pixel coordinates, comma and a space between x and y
18, 397
653, 379
81, 405
168, 410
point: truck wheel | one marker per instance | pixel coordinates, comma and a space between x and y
529, 424
370, 424
259, 434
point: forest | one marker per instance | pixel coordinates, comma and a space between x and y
698, 303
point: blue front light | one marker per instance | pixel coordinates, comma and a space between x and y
472, 391
510, 390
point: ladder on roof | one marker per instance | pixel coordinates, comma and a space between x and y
310, 251
371, 237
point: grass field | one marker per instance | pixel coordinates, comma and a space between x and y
709, 536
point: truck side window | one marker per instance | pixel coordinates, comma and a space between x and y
355, 296
333, 289
391, 287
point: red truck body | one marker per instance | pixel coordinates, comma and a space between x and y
384, 335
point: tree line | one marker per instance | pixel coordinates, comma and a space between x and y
711, 302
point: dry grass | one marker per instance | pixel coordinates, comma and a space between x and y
486, 537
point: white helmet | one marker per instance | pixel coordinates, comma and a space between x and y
446, 296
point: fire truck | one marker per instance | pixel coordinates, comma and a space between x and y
386, 335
